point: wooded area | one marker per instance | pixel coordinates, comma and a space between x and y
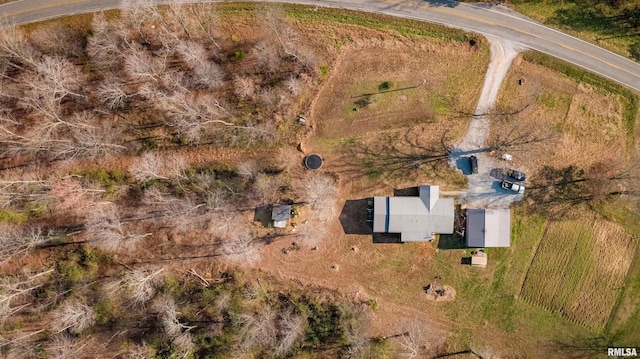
98, 131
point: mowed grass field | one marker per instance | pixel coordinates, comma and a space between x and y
579, 269
387, 100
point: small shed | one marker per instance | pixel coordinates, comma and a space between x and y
479, 259
280, 214
313, 162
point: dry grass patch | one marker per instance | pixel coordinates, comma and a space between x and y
578, 268
389, 84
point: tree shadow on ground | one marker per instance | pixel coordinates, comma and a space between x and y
592, 347
462, 163
590, 17
396, 156
442, 3
353, 217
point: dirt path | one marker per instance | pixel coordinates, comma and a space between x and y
484, 189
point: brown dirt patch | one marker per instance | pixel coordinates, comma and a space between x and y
440, 293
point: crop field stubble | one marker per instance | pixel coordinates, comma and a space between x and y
579, 269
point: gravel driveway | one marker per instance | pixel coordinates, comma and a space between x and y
484, 188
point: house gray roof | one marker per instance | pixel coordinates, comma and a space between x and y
415, 218
488, 228
280, 215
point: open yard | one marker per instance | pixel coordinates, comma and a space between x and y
579, 269
551, 120
394, 128
576, 137
382, 101
389, 83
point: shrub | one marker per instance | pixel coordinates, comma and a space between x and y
385, 86
324, 70
105, 310
324, 324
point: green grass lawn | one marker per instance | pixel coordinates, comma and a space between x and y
489, 297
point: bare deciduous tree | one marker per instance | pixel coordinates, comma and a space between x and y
205, 72
259, 329
266, 187
268, 57
139, 14
288, 158
69, 194
294, 85
244, 87
248, 169
191, 114
144, 67
18, 240
183, 343
17, 192
142, 285
111, 94
94, 141
58, 78
202, 18
174, 329
105, 229
15, 49
319, 191
147, 167
414, 342
103, 46
355, 331
73, 316
287, 37
175, 167
62, 346
15, 288
240, 248
291, 327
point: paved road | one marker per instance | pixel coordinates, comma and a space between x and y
482, 18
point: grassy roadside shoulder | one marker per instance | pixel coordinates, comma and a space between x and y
612, 24
325, 15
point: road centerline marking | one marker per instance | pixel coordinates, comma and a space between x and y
42, 7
